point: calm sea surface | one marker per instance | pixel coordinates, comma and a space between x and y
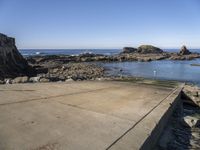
28, 52
164, 69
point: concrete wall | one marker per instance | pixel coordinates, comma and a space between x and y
175, 103
147, 131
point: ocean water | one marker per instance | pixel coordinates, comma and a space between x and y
163, 69
30, 52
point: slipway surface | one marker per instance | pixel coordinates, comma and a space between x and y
83, 115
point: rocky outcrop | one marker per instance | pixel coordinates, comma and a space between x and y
129, 50
184, 51
75, 71
177, 56
145, 49
192, 94
36, 61
12, 63
24, 79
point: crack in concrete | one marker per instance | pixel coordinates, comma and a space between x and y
50, 97
18, 90
78, 107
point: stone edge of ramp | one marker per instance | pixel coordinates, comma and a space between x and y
145, 134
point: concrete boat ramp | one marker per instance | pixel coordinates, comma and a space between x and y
87, 115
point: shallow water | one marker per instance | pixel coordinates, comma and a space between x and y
162, 69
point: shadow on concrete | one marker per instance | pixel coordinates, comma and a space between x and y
183, 130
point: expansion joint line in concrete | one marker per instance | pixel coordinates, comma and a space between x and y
171, 93
56, 96
75, 106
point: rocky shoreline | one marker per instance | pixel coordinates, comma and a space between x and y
16, 69
64, 73
123, 56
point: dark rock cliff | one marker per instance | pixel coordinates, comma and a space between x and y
12, 63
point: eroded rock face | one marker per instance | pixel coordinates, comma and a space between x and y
12, 63
145, 49
184, 50
129, 50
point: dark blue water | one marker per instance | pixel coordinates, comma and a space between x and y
30, 52
165, 69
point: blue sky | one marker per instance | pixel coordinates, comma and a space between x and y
101, 23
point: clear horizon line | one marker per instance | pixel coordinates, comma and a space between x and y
101, 48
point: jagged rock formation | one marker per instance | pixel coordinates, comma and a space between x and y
12, 63
145, 49
129, 50
184, 50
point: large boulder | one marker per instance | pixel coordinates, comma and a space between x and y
145, 49
12, 63
129, 50
44, 80
34, 79
190, 121
20, 80
184, 51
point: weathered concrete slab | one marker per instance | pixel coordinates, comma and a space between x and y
73, 116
